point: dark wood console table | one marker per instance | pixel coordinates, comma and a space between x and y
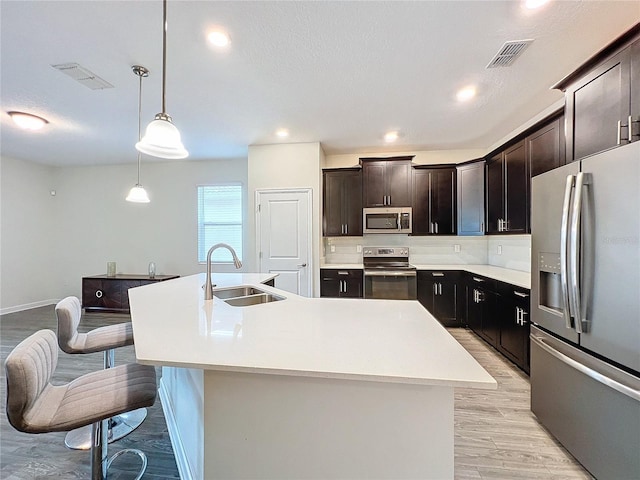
101, 293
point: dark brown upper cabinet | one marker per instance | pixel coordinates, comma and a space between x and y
470, 196
386, 181
546, 147
342, 202
434, 200
507, 191
602, 99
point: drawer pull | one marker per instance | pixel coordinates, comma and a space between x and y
343, 273
520, 294
476, 279
98, 293
437, 274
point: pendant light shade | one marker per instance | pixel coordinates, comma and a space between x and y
138, 194
162, 138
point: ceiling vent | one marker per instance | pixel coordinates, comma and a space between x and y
508, 53
83, 76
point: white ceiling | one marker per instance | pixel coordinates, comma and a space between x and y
341, 73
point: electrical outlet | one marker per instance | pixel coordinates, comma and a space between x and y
456, 248
359, 248
333, 249
499, 250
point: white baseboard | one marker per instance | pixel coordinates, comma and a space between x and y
28, 306
174, 435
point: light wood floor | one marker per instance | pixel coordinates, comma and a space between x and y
496, 435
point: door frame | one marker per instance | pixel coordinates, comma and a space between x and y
309, 194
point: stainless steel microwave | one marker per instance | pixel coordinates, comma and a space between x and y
386, 220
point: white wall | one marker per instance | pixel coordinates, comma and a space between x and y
295, 165
28, 235
88, 223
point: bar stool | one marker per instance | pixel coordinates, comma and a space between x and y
103, 339
34, 405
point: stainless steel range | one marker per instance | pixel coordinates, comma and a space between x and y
388, 273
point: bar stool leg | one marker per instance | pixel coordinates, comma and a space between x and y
99, 450
118, 427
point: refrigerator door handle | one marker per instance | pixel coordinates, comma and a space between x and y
582, 180
595, 375
564, 245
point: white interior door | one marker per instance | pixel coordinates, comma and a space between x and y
283, 229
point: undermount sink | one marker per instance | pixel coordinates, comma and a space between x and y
245, 295
234, 292
253, 300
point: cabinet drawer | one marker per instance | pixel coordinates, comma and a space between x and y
101, 294
342, 273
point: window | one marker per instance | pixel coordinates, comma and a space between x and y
219, 220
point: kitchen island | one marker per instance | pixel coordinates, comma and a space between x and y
302, 387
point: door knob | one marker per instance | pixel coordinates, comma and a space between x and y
302, 265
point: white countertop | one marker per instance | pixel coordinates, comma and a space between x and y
395, 341
514, 277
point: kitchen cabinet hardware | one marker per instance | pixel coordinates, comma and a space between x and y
476, 279
437, 274
520, 294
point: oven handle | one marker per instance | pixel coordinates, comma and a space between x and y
389, 273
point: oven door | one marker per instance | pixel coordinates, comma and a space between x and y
390, 284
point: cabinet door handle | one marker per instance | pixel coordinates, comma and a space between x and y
435, 288
346, 229
436, 224
619, 135
520, 294
439, 289
389, 197
631, 122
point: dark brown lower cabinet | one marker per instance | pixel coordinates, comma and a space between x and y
110, 294
499, 313
513, 315
481, 307
344, 282
439, 293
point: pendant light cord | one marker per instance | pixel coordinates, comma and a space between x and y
139, 123
164, 52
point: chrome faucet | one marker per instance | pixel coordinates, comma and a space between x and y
208, 286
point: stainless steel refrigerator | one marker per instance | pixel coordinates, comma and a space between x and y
585, 309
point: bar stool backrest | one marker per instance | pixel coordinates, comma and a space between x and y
29, 368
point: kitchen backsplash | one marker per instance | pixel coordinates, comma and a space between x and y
515, 249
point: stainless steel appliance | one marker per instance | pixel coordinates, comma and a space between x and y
388, 274
585, 307
386, 220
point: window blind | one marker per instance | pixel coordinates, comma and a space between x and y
219, 221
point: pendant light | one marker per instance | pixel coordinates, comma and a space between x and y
138, 194
162, 138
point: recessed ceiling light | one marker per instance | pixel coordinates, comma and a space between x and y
219, 38
390, 137
282, 133
466, 93
27, 121
532, 4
